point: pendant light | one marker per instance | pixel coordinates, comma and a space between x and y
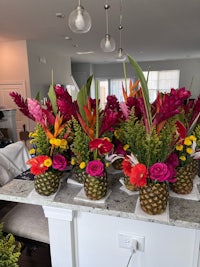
120, 53
79, 20
107, 43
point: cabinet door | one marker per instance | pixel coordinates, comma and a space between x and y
6, 101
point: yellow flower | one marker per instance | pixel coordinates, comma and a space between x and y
57, 142
116, 133
125, 147
183, 158
32, 151
192, 138
107, 164
63, 144
31, 141
189, 150
52, 141
48, 162
73, 161
30, 134
179, 147
187, 142
82, 165
34, 135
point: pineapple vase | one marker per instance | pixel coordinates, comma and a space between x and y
128, 184
47, 183
184, 181
79, 175
95, 187
154, 198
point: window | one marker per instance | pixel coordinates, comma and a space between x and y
161, 81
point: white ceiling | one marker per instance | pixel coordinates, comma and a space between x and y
153, 29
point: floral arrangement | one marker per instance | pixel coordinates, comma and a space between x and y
151, 132
93, 132
51, 137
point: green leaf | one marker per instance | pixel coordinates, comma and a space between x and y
52, 97
145, 90
82, 97
38, 96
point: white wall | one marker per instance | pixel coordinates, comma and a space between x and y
14, 62
41, 73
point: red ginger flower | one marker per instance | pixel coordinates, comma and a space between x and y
126, 166
22, 104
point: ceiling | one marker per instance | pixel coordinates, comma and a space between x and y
153, 29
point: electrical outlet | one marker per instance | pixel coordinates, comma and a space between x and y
128, 240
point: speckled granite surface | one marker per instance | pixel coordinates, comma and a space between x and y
183, 213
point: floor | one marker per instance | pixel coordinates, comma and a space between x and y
40, 257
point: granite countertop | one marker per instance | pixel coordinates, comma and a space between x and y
181, 212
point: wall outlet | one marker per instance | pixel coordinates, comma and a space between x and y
131, 240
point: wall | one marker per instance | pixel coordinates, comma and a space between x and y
42, 59
189, 68
14, 62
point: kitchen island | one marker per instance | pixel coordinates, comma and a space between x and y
86, 234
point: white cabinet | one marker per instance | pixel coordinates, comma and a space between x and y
96, 239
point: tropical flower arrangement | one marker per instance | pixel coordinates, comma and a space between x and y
51, 137
93, 131
151, 133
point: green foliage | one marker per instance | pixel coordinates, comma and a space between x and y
147, 147
196, 133
41, 141
9, 250
52, 97
80, 145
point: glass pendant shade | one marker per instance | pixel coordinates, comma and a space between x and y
120, 55
79, 20
107, 43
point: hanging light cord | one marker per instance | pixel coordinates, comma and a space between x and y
120, 25
106, 7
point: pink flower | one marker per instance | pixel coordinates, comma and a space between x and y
36, 110
159, 172
172, 160
95, 168
59, 162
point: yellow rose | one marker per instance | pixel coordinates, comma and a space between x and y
82, 165
125, 147
189, 150
31, 141
32, 151
48, 162
179, 147
183, 158
34, 135
30, 134
187, 142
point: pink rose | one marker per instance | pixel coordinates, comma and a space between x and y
159, 172
59, 162
95, 168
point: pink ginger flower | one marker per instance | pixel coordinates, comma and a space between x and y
36, 110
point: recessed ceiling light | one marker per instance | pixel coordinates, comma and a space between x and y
85, 52
67, 38
60, 15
